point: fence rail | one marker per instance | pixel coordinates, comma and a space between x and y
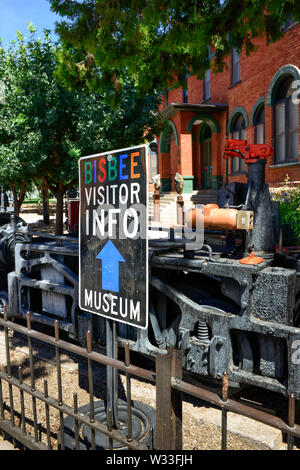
169, 389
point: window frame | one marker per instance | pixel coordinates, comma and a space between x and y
153, 147
185, 90
287, 131
259, 122
233, 64
206, 84
234, 130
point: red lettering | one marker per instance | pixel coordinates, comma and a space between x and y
102, 162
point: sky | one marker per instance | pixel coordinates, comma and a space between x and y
17, 14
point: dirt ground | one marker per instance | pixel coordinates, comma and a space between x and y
32, 215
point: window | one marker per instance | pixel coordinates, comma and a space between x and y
238, 131
289, 23
286, 120
235, 66
153, 160
206, 86
259, 123
184, 96
185, 89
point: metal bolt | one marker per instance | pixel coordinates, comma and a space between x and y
109, 157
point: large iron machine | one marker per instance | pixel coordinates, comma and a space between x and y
231, 305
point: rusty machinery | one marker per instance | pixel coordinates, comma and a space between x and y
232, 305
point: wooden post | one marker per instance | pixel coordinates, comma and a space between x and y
168, 402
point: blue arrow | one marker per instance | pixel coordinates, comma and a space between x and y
111, 258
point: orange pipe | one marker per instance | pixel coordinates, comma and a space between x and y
212, 217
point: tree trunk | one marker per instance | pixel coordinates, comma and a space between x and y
18, 201
45, 197
59, 226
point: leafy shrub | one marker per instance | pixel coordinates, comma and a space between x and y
289, 197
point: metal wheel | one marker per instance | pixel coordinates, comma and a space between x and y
143, 419
3, 301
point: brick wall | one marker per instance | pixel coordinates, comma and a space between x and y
257, 71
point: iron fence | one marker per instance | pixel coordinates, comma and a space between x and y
168, 380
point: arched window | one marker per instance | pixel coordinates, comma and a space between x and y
286, 123
259, 123
238, 131
153, 159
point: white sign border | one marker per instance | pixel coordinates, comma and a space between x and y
110, 152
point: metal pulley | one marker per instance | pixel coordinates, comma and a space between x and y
8, 239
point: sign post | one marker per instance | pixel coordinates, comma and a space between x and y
113, 244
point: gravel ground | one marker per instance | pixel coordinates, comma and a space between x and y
196, 432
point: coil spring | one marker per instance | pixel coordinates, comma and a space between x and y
202, 332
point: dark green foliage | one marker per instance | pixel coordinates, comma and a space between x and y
45, 128
157, 41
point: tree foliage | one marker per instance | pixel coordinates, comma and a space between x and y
45, 128
157, 42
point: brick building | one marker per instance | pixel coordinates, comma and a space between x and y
251, 99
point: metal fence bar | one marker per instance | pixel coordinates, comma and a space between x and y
23, 421
110, 428
16, 433
76, 424
234, 406
91, 389
168, 402
291, 421
224, 411
72, 348
59, 385
32, 378
8, 366
47, 415
115, 434
1, 401
128, 393
169, 389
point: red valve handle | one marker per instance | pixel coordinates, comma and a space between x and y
250, 152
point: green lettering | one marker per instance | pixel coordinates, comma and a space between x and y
88, 177
112, 168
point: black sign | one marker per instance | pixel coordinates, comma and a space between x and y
113, 246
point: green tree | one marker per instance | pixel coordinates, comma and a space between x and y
16, 138
44, 128
157, 42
